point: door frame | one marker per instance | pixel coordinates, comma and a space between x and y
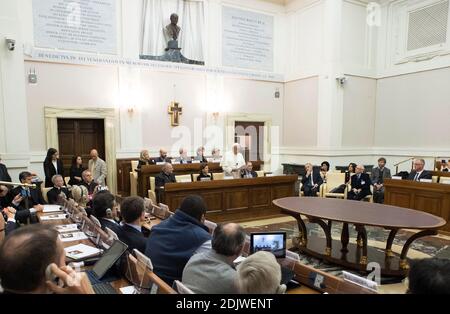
230, 123
52, 115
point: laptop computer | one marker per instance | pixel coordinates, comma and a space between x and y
98, 275
275, 243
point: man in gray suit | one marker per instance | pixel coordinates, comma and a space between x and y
97, 167
212, 272
378, 175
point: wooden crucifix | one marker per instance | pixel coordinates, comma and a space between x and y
175, 110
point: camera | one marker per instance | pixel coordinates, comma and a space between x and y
11, 43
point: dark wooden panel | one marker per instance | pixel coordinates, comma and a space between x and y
433, 198
260, 197
78, 137
235, 200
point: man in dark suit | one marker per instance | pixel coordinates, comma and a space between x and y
88, 181
133, 214
57, 190
162, 156
378, 175
312, 181
4, 175
29, 201
105, 210
419, 173
166, 176
360, 185
248, 171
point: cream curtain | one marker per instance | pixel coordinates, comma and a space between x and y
156, 15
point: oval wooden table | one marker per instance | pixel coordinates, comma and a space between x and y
323, 211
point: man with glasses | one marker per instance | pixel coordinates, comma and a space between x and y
360, 185
419, 172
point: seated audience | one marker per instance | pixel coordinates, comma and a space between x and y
419, 173
27, 201
429, 276
76, 171
173, 242
165, 176
183, 159
58, 190
260, 273
98, 169
162, 156
248, 171
4, 175
52, 165
28, 254
311, 181
204, 173
104, 208
132, 211
88, 182
144, 159
201, 155
213, 272
324, 168
360, 185
378, 175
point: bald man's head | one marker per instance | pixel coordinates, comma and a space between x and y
228, 239
94, 154
25, 255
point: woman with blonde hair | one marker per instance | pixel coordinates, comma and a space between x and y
144, 159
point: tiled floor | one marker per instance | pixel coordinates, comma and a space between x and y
435, 246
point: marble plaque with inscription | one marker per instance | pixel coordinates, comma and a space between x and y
84, 25
247, 39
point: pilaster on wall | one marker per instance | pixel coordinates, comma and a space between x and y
330, 102
13, 107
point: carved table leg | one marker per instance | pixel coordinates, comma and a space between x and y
390, 240
326, 228
345, 238
303, 233
362, 235
403, 262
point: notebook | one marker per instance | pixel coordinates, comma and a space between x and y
81, 251
51, 209
73, 236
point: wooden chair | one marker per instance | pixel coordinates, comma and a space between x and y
134, 165
194, 177
435, 179
66, 180
44, 194
96, 221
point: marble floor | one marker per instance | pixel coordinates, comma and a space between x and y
434, 246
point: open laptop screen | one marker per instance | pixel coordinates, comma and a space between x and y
274, 242
109, 258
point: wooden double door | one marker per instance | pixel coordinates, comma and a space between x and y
77, 137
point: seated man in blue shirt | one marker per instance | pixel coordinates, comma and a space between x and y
172, 243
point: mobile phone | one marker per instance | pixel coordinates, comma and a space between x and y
50, 276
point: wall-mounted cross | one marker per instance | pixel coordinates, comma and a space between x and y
175, 110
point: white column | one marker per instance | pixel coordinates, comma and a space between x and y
14, 137
330, 107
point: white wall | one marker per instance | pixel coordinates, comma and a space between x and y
413, 111
359, 112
